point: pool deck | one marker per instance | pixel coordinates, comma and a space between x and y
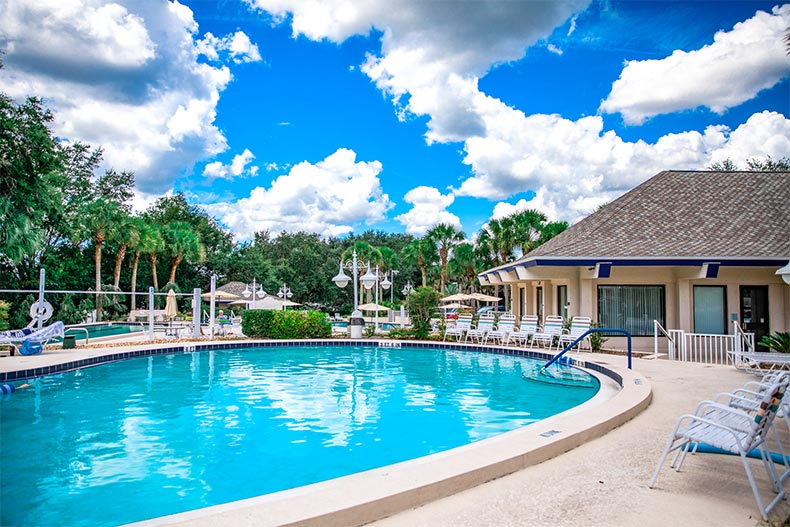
603, 481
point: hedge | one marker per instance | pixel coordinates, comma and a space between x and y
261, 323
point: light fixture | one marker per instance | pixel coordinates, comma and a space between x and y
386, 283
784, 272
342, 279
368, 279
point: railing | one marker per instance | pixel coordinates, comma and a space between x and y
584, 335
702, 347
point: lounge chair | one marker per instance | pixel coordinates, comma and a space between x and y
734, 431
485, 323
16, 339
579, 326
503, 329
526, 328
459, 329
552, 329
760, 362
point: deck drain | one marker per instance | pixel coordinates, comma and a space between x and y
637, 381
549, 433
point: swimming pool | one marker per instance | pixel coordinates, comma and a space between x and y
106, 329
157, 435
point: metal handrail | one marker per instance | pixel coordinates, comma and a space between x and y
657, 326
583, 336
744, 339
78, 329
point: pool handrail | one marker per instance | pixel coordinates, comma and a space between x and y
78, 329
584, 335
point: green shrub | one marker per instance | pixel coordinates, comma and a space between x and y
258, 323
778, 342
400, 333
422, 303
4, 307
596, 339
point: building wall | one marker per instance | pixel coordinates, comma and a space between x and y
678, 284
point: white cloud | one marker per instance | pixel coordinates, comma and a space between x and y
238, 167
328, 197
731, 70
554, 49
429, 207
238, 46
123, 76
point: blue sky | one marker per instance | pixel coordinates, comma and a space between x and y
339, 116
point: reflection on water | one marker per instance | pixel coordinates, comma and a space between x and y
158, 435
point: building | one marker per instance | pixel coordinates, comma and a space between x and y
693, 250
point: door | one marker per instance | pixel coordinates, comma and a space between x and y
754, 312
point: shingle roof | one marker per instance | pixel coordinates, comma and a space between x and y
687, 214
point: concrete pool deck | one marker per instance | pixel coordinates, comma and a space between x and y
603, 481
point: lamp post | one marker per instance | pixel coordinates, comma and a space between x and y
784, 272
368, 280
356, 321
256, 291
284, 293
407, 289
386, 284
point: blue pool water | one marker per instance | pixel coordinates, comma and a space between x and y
103, 330
146, 437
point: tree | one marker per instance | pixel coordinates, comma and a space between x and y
182, 242
444, 237
528, 226
422, 304
462, 265
125, 235
422, 253
753, 164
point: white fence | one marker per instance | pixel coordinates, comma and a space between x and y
700, 347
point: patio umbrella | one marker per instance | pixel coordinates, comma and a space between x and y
219, 294
171, 308
287, 303
372, 307
458, 297
485, 298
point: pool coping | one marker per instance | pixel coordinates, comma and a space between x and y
374, 494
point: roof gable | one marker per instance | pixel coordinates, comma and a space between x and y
686, 214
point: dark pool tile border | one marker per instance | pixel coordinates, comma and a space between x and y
209, 346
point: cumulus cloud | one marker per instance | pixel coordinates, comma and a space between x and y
327, 197
429, 207
733, 69
123, 76
238, 46
433, 54
240, 166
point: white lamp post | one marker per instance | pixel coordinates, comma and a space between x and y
368, 280
284, 293
407, 289
256, 291
784, 272
342, 280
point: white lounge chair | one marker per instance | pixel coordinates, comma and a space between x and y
485, 323
731, 430
552, 329
760, 362
579, 326
15, 339
459, 329
503, 329
526, 328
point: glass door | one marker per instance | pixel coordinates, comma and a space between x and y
754, 312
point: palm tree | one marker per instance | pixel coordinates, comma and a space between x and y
462, 265
444, 237
528, 226
149, 240
182, 242
153, 254
422, 253
98, 219
550, 230
125, 235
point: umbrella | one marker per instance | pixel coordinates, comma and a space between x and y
372, 307
458, 297
219, 294
485, 298
289, 303
454, 305
171, 308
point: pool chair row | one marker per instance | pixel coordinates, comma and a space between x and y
739, 423
504, 331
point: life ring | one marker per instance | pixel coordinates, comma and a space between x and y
41, 310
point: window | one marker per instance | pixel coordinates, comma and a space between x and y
562, 300
631, 307
710, 309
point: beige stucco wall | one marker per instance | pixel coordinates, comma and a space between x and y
678, 282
